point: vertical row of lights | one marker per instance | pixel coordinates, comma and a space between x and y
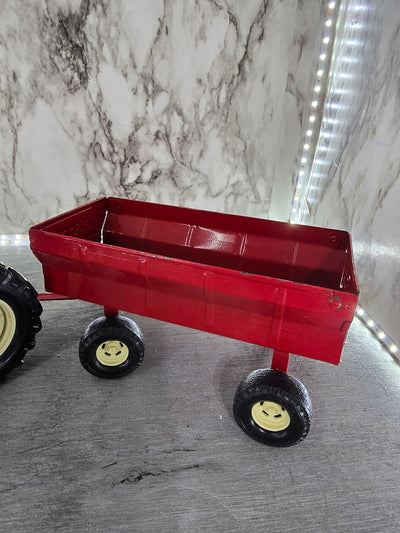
316, 136
314, 118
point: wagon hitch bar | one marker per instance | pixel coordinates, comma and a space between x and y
53, 296
50, 296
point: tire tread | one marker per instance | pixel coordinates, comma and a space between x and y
13, 283
280, 387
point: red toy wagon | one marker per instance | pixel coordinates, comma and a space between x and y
288, 287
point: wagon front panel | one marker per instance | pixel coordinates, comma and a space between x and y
312, 321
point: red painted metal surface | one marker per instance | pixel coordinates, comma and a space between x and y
289, 287
280, 361
51, 296
109, 311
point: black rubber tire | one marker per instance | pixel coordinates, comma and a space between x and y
19, 299
273, 386
110, 329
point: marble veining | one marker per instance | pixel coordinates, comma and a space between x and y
355, 183
191, 102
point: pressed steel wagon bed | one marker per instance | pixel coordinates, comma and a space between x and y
288, 287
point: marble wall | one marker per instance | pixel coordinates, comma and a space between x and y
190, 102
355, 179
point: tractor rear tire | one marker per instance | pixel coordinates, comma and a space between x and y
20, 312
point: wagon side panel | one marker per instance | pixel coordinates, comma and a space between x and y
286, 316
197, 296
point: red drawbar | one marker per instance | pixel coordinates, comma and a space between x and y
50, 296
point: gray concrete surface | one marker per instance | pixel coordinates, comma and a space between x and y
159, 451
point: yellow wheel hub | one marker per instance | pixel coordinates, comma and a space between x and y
112, 353
8, 325
270, 416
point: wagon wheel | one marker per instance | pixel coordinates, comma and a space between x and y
273, 408
20, 312
111, 347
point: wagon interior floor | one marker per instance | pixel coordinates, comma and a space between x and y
159, 450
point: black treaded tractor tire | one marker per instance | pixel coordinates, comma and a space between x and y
273, 408
20, 312
111, 347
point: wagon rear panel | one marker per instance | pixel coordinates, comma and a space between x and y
244, 278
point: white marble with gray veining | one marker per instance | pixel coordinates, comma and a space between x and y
355, 182
190, 102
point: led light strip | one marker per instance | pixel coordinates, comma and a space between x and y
312, 164
314, 120
14, 240
383, 338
